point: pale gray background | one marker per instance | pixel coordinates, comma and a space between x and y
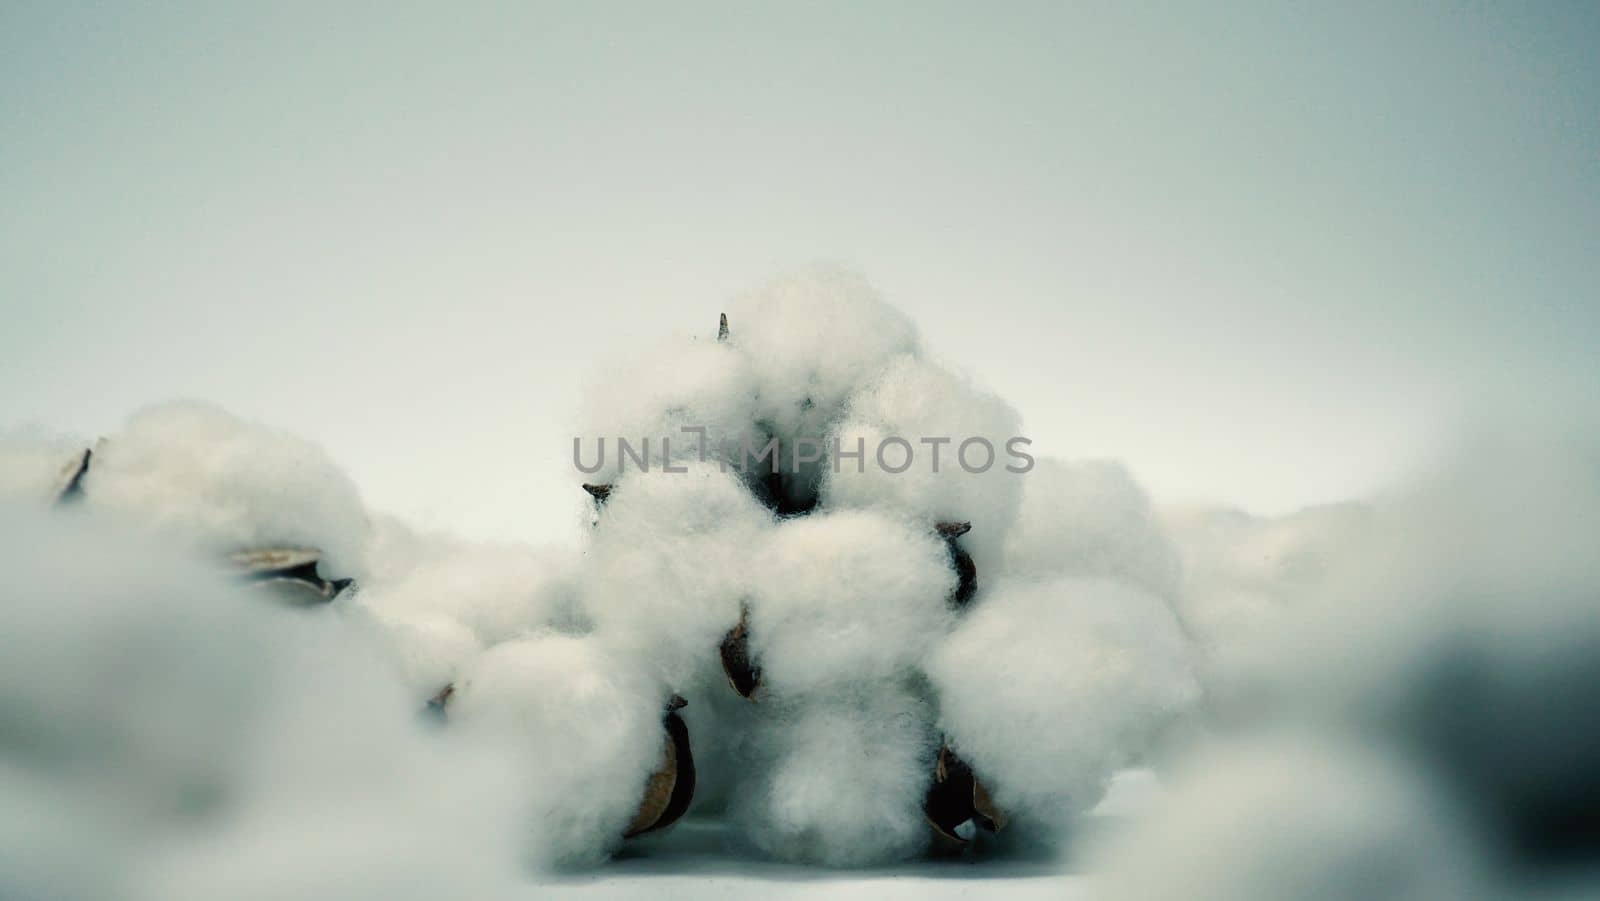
1265, 254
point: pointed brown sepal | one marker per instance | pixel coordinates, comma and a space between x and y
742, 673
438, 704
670, 789
69, 485
598, 492
289, 574
722, 327
956, 797
966, 570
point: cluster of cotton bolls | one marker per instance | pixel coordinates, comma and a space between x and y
850, 660
888, 619
1422, 724
847, 662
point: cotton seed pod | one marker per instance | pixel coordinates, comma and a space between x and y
742, 673
289, 575
436, 710
966, 570
670, 789
956, 798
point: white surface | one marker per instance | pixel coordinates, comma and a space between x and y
692, 862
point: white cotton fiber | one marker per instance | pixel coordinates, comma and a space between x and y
1305, 817
914, 400
1048, 688
669, 566
427, 651
1243, 574
651, 395
1092, 520
193, 473
32, 465
852, 597
446, 600
812, 339
838, 781
497, 591
585, 725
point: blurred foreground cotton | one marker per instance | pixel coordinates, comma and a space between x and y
165, 735
1426, 722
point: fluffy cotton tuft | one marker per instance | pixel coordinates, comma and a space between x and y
812, 339
586, 726
194, 473
669, 567
1090, 519
848, 597
1048, 688
1243, 574
915, 400
696, 383
838, 782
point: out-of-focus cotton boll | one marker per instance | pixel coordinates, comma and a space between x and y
695, 383
1048, 688
194, 473
813, 338
585, 724
914, 400
838, 781
32, 465
125, 691
1243, 574
847, 597
1294, 817
162, 736
397, 813
669, 566
1473, 603
1092, 520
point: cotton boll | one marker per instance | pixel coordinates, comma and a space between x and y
1048, 688
1472, 601
914, 400
812, 338
586, 725
163, 738
1092, 520
193, 473
669, 567
125, 696
1296, 816
838, 781
399, 813
849, 597
657, 393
